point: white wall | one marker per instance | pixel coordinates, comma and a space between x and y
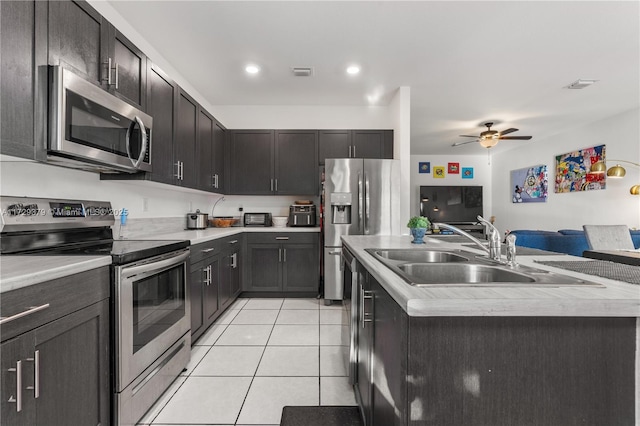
613, 205
400, 107
481, 176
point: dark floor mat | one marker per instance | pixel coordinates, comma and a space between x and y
321, 416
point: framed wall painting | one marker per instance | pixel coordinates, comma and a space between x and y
424, 167
438, 172
530, 184
467, 173
573, 170
453, 168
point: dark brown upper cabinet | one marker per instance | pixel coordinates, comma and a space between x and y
185, 143
83, 40
206, 179
251, 156
355, 144
296, 160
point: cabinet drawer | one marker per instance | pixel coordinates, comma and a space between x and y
204, 250
64, 296
282, 237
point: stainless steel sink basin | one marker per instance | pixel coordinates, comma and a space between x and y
426, 256
424, 267
428, 274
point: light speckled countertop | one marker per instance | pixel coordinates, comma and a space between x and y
616, 299
22, 271
197, 236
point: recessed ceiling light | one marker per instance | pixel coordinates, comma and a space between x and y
252, 69
353, 70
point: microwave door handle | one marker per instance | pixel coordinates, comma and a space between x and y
143, 135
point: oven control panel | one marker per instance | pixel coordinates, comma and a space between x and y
25, 214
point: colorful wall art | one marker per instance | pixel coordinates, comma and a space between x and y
467, 173
424, 167
573, 170
529, 185
438, 172
453, 168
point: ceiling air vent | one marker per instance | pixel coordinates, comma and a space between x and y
581, 84
302, 71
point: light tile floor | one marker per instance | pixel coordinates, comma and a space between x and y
259, 356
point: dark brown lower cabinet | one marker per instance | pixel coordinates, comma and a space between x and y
498, 371
57, 371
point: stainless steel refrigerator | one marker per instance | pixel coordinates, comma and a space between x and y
361, 197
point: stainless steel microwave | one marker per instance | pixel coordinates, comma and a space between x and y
93, 130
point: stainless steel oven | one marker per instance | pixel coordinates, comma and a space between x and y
91, 129
152, 341
150, 306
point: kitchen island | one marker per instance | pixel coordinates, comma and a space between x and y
492, 355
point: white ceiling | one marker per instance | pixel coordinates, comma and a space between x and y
466, 62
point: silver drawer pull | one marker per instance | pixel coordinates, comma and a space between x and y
233, 241
208, 250
335, 253
36, 374
29, 311
282, 238
18, 397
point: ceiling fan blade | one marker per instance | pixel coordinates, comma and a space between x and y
469, 136
462, 143
506, 132
516, 138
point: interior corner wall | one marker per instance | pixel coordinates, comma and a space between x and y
400, 107
611, 206
481, 177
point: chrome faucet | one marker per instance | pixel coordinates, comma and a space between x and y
494, 238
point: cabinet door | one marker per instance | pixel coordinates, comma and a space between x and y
334, 144
217, 161
198, 276
16, 370
206, 180
129, 79
301, 267
296, 166
224, 289
211, 290
234, 273
251, 157
367, 143
17, 80
364, 345
161, 94
390, 334
264, 271
74, 368
185, 145
78, 37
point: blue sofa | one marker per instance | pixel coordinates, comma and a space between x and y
568, 241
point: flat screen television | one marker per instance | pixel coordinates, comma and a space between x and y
451, 204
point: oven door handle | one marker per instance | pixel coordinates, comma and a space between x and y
155, 267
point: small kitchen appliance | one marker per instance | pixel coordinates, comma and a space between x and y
302, 215
257, 219
197, 220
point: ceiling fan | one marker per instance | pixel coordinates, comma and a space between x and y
490, 138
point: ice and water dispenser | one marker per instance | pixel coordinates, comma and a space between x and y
340, 208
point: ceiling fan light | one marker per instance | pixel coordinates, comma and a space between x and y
488, 142
616, 171
598, 167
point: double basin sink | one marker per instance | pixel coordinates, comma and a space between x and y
433, 268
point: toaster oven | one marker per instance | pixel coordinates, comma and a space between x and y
257, 219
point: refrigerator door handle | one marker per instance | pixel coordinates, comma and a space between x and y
360, 206
367, 204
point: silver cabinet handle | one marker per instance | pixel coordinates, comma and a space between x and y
116, 76
366, 295
271, 185
282, 238
285, 255
234, 260
367, 204
216, 175
177, 175
143, 135
354, 150
109, 72
30, 310
207, 250
18, 397
233, 241
279, 255
36, 374
276, 185
182, 170
350, 151
213, 181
